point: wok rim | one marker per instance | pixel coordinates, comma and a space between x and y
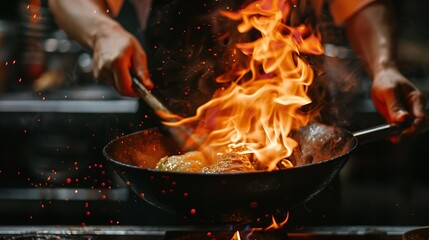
110, 143
406, 234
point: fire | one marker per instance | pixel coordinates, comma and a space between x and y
274, 226
236, 236
261, 105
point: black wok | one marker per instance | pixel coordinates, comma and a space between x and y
419, 233
231, 198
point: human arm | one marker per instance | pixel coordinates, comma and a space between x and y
370, 32
115, 51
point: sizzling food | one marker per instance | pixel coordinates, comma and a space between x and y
194, 161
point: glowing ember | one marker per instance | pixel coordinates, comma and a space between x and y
261, 105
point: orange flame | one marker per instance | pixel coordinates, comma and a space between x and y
255, 114
236, 236
274, 226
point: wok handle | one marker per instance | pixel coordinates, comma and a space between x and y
378, 132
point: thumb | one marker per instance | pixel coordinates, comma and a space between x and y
398, 115
395, 107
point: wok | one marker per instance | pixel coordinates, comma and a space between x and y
240, 197
419, 233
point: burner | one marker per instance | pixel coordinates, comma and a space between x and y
41, 236
190, 233
227, 235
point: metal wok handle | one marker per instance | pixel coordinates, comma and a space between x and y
378, 133
386, 130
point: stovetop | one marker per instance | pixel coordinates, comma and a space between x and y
179, 233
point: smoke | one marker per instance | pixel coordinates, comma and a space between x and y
338, 83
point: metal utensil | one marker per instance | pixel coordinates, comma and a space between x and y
180, 133
148, 97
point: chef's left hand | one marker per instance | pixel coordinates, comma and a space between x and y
399, 101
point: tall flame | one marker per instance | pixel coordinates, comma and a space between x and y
256, 112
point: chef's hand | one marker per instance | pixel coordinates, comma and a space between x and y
399, 101
115, 53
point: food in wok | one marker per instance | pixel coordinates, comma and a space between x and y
314, 136
194, 161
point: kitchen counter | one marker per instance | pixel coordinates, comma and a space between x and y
88, 99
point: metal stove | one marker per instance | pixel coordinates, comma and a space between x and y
179, 233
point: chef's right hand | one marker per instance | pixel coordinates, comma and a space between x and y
399, 101
116, 52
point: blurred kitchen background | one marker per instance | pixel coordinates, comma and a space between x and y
55, 120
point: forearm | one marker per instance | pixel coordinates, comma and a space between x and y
83, 20
370, 32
